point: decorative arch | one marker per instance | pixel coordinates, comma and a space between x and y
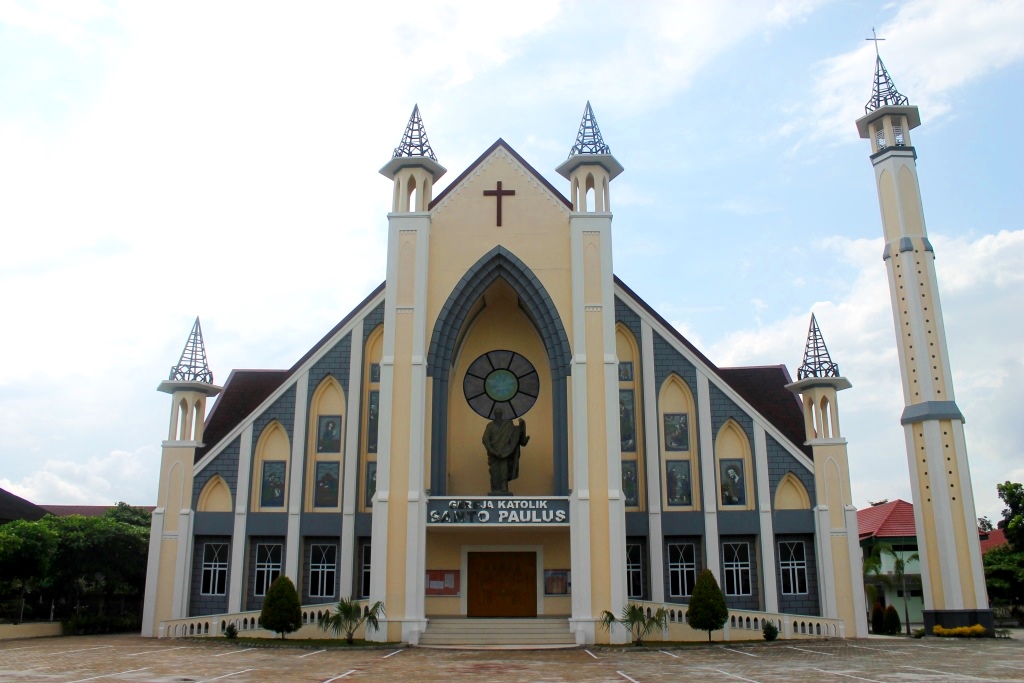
273, 446
678, 444
326, 432
791, 494
215, 496
732, 444
631, 426
499, 262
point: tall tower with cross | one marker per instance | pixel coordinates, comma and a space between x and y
944, 513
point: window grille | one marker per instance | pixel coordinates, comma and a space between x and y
323, 567
897, 134
682, 569
635, 570
793, 567
268, 566
215, 569
736, 563
880, 139
364, 569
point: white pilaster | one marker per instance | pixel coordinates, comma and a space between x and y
859, 627
293, 541
183, 562
652, 454
350, 489
708, 479
767, 536
236, 584
156, 537
826, 572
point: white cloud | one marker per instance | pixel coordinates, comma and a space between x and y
100, 480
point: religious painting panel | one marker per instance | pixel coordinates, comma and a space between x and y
678, 483
630, 488
371, 483
627, 421
731, 476
626, 371
677, 431
372, 417
272, 484
375, 372
326, 491
328, 431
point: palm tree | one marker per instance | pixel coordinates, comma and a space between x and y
349, 616
637, 621
899, 572
872, 568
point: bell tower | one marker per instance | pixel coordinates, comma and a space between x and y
399, 566
835, 518
190, 385
947, 532
597, 556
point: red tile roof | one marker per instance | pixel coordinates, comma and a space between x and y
991, 540
14, 507
894, 519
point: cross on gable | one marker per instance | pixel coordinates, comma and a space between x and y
499, 193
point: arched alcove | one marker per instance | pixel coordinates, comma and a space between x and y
631, 427
791, 494
270, 470
215, 496
734, 467
326, 445
680, 464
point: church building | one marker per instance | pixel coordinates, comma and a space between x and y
504, 430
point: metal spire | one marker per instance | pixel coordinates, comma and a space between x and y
414, 141
193, 367
588, 139
817, 362
884, 92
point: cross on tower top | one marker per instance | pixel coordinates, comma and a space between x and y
875, 38
414, 141
817, 362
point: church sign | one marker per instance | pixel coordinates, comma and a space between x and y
499, 511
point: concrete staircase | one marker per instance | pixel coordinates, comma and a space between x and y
541, 632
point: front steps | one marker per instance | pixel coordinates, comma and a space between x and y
477, 632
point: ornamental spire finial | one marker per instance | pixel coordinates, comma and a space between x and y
414, 141
588, 139
193, 366
817, 362
884, 92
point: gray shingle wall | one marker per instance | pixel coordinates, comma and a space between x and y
666, 361
307, 551
282, 410
370, 322
800, 604
780, 461
625, 315
199, 604
698, 542
335, 363
752, 601
226, 465
253, 601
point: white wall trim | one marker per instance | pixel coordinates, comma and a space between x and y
770, 589
236, 584
349, 495
708, 480
293, 540
652, 458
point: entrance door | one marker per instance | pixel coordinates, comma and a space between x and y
502, 585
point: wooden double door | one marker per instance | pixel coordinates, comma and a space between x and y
502, 584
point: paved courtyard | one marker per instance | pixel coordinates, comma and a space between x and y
130, 658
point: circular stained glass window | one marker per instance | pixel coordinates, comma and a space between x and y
501, 379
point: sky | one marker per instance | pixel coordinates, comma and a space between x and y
160, 161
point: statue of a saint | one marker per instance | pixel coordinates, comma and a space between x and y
503, 439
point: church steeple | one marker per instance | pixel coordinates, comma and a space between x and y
590, 167
817, 362
413, 168
192, 367
951, 568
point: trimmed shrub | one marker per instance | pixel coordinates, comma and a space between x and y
770, 630
878, 619
891, 622
231, 632
707, 611
282, 611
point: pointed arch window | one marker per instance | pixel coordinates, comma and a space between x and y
680, 470
630, 424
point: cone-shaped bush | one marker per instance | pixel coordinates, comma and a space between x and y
281, 611
892, 621
707, 611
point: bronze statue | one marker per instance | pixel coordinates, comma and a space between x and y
503, 439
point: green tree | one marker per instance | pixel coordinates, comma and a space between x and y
1012, 522
26, 549
985, 524
136, 516
899, 573
637, 621
872, 569
282, 611
707, 610
1004, 575
348, 616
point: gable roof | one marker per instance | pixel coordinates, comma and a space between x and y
14, 507
515, 155
894, 519
244, 391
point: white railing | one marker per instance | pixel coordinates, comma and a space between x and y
247, 624
748, 624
